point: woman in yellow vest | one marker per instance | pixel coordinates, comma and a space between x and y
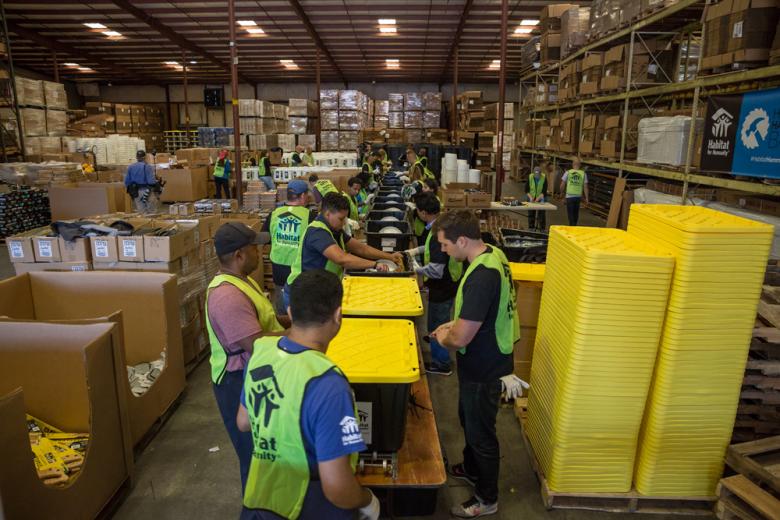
575, 185
237, 313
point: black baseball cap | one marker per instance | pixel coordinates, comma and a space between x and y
232, 236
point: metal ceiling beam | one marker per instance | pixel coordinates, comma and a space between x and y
176, 38
456, 39
56, 46
296, 5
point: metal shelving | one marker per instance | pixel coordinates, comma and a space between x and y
689, 89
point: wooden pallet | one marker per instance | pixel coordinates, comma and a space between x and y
741, 499
759, 460
521, 410
631, 502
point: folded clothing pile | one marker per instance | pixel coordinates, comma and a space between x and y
143, 375
57, 455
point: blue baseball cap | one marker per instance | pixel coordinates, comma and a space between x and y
298, 186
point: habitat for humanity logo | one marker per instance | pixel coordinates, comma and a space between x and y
755, 126
722, 121
350, 431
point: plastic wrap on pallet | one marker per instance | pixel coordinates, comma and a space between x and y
380, 122
349, 100
395, 119
530, 52
307, 140
629, 11
329, 99
664, 140
348, 140
302, 108
247, 107
381, 107
329, 120
287, 141
29, 91
301, 125
268, 141
413, 120
431, 101
329, 140
413, 101
56, 122
491, 111
54, 95
33, 121
248, 125
415, 136
265, 125
395, 102
280, 111
575, 23
264, 109
431, 119
349, 120
42, 145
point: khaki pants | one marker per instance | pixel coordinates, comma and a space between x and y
146, 201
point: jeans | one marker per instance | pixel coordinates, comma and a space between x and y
573, 209
537, 220
438, 314
477, 410
228, 394
220, 185
269, 182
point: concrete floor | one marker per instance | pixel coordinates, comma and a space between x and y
179, 476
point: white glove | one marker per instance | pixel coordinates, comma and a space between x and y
370, 199
415, 265
512, 386
404, 178
353, 224
371, 511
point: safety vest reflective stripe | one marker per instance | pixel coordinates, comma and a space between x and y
265, 314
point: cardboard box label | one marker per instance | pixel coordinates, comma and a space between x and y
129, 249
17, 251
388, 242
101, 248
44, 249
737, 30
79, 267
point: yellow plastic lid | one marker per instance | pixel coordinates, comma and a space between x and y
696, 219
371, 350
381, 296
527, 272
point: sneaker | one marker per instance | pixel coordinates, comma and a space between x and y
474, 508
458, 471
439, 370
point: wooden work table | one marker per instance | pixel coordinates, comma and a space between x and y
529, 206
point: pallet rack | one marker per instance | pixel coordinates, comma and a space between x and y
683, 86
178, 139
11, 134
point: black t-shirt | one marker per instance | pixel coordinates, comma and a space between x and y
281, 272
444, 288
483, 361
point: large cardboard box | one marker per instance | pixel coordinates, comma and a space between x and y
169, 248
150, 320
184, 184
71, 376
453, 198
22, 268
86, 199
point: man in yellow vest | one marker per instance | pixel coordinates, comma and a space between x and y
301, 413
575, 185
325, 245
308, 157
237, 313
286, 225
484, 331
441, 274
536, 188
354, 186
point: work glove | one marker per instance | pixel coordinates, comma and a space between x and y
370, 199
404, 178
371, 511
415, 265
512, 386
354, 225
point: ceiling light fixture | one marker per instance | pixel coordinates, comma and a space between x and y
529, 22
112, 34
387, 30
86, 69
522, 30
289, 64
393, 63
71, 64
193, 62
386, 21
495, 64
95, 25
246, 23
172, 63
256, 31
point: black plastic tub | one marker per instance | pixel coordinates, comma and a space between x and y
379, 215
387, 416
400, 206
524, 246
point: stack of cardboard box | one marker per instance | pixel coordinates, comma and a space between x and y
739, 33
303, 115
471, 114
569, 80
613, 136
575, 23
550, 25
381, 113
342, 114
592, 70
569, 131
592, 134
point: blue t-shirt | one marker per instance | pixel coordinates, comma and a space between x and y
327, 403
315, 242
140, 173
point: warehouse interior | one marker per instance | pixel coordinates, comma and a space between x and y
610, 167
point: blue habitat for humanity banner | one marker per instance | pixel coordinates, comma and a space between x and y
742, 134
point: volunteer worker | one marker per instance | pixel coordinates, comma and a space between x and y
354, 187
575, 184
300, 410
536, 188
141, 184
237, 313
326, 246
222, 175
308, 157
286, 225
441, 274
484, 331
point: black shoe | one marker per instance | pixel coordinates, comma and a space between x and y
427, 339
474, 508
459, 472
439, 370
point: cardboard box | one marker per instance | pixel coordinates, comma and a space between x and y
78, 267
71, 376
453, 198
77, 250
478, 200
150, 321
183, 184
529, 297
87, 199
550, 47
524, 347
104, 249
149, 267
21, 248
168, 248
46, 249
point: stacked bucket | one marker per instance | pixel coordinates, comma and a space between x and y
719, 269
605, 294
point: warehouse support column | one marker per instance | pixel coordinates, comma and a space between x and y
623, 139
186, 97
455, 98
501, 100
236, 169
56, 67
318, 127
12, 78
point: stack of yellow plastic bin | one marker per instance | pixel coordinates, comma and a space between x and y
605, 293
381, 296
720, 264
